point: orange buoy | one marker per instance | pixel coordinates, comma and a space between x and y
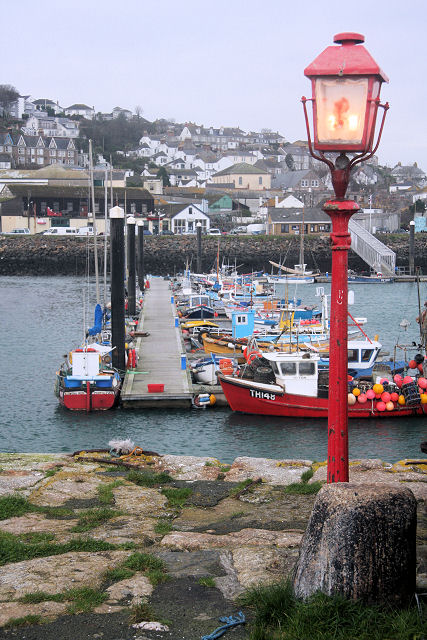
401, 400
389, 406
378, 388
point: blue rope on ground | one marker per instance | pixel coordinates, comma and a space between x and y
230, 621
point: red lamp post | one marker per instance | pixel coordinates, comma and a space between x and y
346, 83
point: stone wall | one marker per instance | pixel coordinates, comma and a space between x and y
168, 255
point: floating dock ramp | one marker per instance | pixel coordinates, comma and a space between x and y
159, 381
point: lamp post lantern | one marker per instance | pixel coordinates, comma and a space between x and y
346, 83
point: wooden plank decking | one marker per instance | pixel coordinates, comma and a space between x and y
159, 355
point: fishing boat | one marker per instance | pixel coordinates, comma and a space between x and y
291, 385
86, 381
375, 278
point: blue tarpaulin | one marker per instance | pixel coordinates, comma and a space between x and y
97, 327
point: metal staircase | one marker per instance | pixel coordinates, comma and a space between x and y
376, 254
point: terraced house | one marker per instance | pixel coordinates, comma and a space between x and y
37, 151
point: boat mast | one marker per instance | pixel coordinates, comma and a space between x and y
95, 246
301, 245
105, 234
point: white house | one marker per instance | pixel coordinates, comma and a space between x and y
80, 110
186, 217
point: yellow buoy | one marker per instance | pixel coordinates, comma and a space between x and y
212, 399
423, 397
356, 391
378, 388
401, 400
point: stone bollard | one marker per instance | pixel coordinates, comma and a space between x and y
360, 543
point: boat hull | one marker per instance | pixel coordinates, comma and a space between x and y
257, 398
82, 401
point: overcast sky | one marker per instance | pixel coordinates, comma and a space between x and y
228, 62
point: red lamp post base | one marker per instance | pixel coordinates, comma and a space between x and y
340, 212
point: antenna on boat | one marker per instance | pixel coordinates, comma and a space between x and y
94, 222
105, 235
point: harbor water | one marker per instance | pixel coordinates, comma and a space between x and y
42, 318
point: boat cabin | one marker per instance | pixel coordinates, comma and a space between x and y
297, 373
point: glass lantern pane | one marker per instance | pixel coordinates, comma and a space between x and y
341, 107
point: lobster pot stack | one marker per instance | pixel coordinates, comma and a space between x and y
388, 395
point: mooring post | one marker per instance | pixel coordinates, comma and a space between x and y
199, 247
141, 274
360, 543
411, 248
117, 216
131, 266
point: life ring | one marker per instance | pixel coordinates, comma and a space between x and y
250, 357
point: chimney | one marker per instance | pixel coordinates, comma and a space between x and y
276, 201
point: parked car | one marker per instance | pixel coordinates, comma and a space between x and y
214, 232
167, 232
85, 231
17, 232
61, 231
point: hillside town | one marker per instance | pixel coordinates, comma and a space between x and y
175, 176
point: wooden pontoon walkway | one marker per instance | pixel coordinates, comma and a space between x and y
159, 355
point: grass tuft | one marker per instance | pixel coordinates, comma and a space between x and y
141, 612
302, 488
207, 581
35, 597
23, 622
143, 562
105, 491
14, 506
177, 497
279, 615
92, 518
239, 487
147, 478
118, 574
84, 599
13, 549
163, 526
307, 475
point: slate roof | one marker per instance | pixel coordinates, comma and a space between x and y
80, 191
289, 216
291, 178
241, 168
80, 106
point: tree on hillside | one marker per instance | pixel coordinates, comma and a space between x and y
290, 163
8, 95
163, 174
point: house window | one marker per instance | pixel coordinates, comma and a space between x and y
304, 183
312, 228
314, 183
21, 160
240, 180
40, 161
242, 319
284, 228
52, 152
260, 180
21, 150
39, 152
190, 210
70, 154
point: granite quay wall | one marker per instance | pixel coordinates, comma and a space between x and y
167, 255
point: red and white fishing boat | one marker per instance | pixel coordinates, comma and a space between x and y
290, 385
86, 381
